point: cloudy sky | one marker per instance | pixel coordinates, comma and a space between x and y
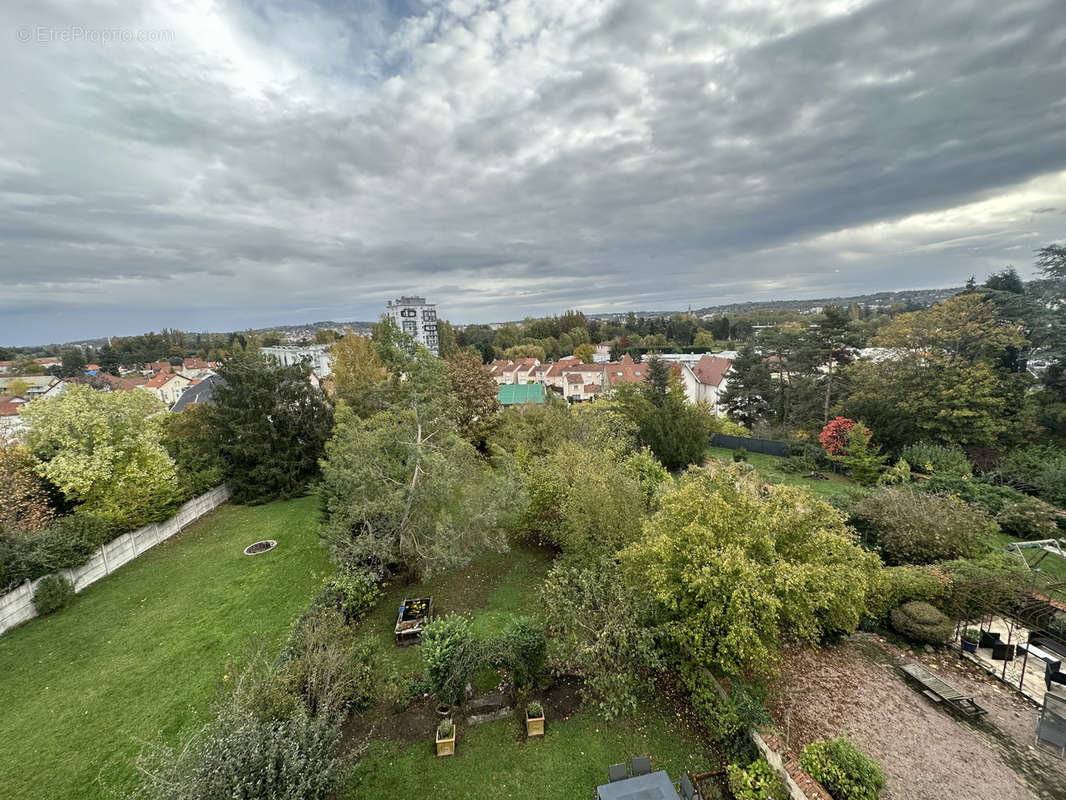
217, 165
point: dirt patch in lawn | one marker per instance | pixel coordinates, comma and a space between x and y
856, 689
562, 698
416, 722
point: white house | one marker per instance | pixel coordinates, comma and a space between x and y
706, 380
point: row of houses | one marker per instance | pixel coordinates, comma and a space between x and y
704, 376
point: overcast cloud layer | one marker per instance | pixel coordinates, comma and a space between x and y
268, 163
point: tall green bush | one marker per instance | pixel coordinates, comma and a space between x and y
911, 527
935, 459
1037, 469
757, 781
525, 649
843, 769
450, 656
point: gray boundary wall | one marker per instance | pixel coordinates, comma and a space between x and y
752, 445
17, 605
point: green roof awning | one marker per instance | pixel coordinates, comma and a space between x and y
515, 393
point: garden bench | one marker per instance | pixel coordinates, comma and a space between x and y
938, 690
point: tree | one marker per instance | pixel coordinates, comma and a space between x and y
409, 497
101, 450
447, 343
834, 436
674, 430
1007, 280
271, 425
831, 336
358, 373
191, 441
17, 387
72, 361
24, 502
603, 629
749, 390
732, 564
586, 352
475, 391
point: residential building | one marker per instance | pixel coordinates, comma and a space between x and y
11, 424
417, 318
706, 380
37, 384
168, 387
198, 392
317, 355
626, 371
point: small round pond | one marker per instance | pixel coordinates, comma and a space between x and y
260, 547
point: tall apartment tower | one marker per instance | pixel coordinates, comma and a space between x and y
416, 317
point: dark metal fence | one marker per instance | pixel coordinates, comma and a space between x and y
767, 446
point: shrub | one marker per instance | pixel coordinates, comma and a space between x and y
450, 656
845, 771
1028, 518
93, 529
972, 490
740, 454
524, 648
445, 729
1037, 469
894, 586
933, 459
53, 593
899, 473
911, 527
983, 585
352, 591
757, 781
834, 436
326, 666
241, 756
921, 622
971, 635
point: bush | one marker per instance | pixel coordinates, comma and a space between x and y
921, 622
1037, 469
740, 454
899, 473
450, 656
351, 591
326, 666
240, 756
973, 490
985, 585
910, 527
845, 771
53, 593
1028, 518
524, 648
894, 586
933, 459
757, 781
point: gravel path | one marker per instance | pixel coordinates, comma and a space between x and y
928, 754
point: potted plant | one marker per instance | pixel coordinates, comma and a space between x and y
446, 738
970, 638
534, 719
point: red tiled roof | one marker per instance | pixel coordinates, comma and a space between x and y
157, 381
9, 409
710, 370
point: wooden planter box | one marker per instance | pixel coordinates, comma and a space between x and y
535, 726
446, 747
414, 614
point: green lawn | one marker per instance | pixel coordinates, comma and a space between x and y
140, 652
770, 469
494, 760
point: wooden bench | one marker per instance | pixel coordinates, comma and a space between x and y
938, 690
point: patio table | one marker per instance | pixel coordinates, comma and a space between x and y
653, 786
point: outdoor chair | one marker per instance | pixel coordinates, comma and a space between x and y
688, 791
616, 772
641, 765
988, 639
1003, 652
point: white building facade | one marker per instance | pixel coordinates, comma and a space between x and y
317, 355
418, 319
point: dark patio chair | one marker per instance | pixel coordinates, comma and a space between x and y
1001, 651
988, 639
616, 772
688, 791
641, 765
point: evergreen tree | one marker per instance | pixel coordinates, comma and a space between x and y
271, 424
747, 397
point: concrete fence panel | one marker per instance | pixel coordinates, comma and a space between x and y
17, 605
